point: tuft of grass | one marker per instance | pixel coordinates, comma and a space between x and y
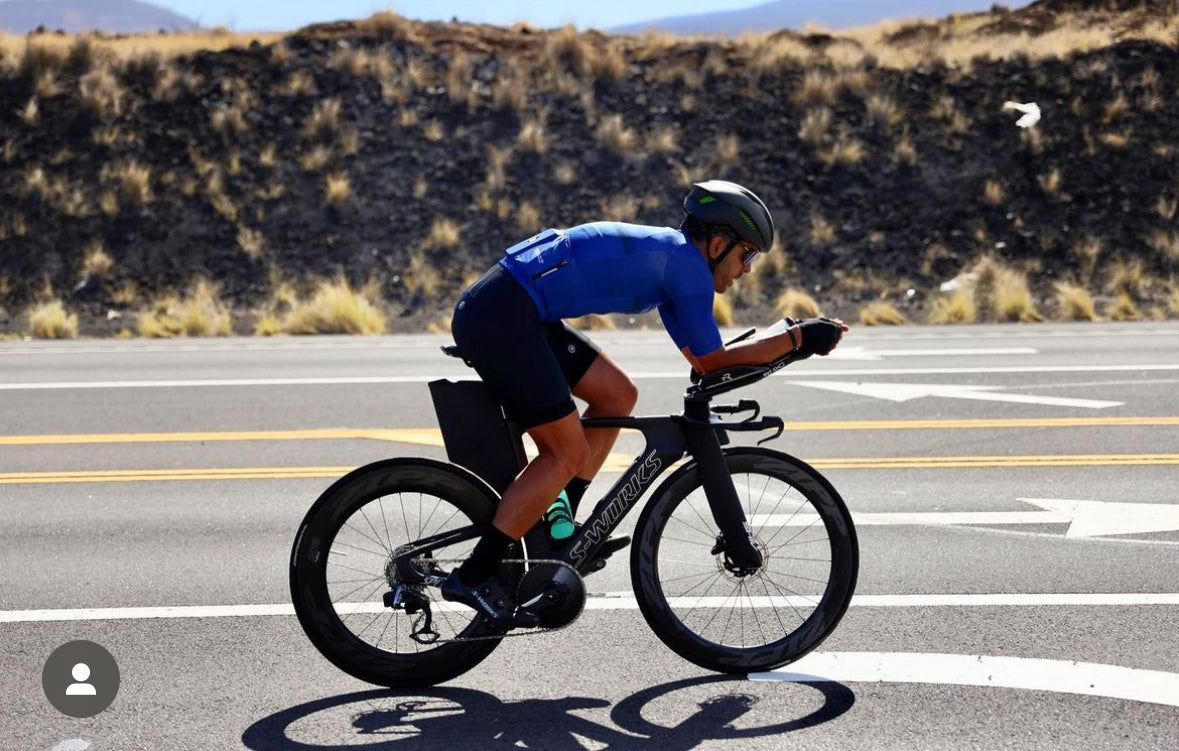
1050, 182
593, 322
299, 83
337, 189
1074, 303
433, 131
883, 111
817, 87
822, 231
1123, 308
565, 173
316, 159
722, 310
533, 138
1165, 243
30, 112
663, 140
846, 150
335, 308
816, 123
796, 304
267, 325
324, 120
528, 217
620, 207
905, 151
131, 179
1002, 291
957, 308
200, 313
881, 313
97, 264
1166, 207
252, 242
50, 320
613, 134
993, 193
444, 235
727, 151
100, 93
422, 277
1173, 300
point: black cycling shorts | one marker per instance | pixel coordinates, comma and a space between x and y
530, 365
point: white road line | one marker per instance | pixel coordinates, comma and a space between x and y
1059, 676
614, 601
677, 375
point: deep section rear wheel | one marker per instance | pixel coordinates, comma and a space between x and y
341, 569
741, 624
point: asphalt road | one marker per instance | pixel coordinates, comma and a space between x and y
1015, 490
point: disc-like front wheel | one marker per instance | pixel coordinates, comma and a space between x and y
341, 568
735, 623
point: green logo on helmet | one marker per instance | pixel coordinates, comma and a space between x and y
748, 219
707, 199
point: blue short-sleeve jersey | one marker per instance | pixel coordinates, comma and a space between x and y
612, 267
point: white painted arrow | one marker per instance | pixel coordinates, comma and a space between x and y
845, 352
1085, 518
903, 392
1100, 518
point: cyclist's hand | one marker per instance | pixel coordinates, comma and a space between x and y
820, 335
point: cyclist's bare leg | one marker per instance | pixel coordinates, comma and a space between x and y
609, 392
562, 451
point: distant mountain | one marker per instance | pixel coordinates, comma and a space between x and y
120, 16
794, 14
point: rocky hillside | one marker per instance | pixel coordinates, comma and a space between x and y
407, 155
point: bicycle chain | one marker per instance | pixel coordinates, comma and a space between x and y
513, 632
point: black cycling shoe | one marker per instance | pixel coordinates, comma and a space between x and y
541, 545
491, 600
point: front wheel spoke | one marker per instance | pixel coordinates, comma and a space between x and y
702, 532
795, 535
787, 592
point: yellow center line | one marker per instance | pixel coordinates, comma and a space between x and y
432, 437
617, 463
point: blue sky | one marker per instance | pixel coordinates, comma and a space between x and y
283, 15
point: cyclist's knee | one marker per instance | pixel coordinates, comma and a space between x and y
571, 455
627, 395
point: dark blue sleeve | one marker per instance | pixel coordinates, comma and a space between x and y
690, 308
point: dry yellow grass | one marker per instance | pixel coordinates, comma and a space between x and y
422, 277
533, 138
267, 324
337, 189
528, 217
1123, 308
127, 47
324, 120
796, 304
565, 173
883, 111
335, 308
846, 150
199, 313
1002, 291
619, 207
905, 151
1173, 300
959, 307
613, 134
663, 140
97, 264
881, 313
50, 320
722, 310
815, 125
993, 193
822, 231
1074, 303
593, 322
444, 234
131, 179
252, 242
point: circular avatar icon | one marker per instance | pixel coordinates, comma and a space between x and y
80, 679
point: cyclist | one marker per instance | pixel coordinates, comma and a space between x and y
509, 327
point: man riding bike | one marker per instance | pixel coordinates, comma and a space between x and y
509, 326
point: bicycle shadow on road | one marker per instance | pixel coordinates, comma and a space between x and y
442, 719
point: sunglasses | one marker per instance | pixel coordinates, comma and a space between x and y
748, 255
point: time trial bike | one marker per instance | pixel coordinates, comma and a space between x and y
744, 558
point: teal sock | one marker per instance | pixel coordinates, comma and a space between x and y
560, 518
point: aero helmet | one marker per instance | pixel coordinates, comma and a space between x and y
721, 202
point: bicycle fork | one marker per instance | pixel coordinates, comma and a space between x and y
736, 539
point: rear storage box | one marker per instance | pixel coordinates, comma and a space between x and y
477, 434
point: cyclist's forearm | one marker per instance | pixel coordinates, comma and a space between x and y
756, 352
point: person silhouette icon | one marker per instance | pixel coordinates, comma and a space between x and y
81, 673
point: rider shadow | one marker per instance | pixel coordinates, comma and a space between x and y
444, 719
